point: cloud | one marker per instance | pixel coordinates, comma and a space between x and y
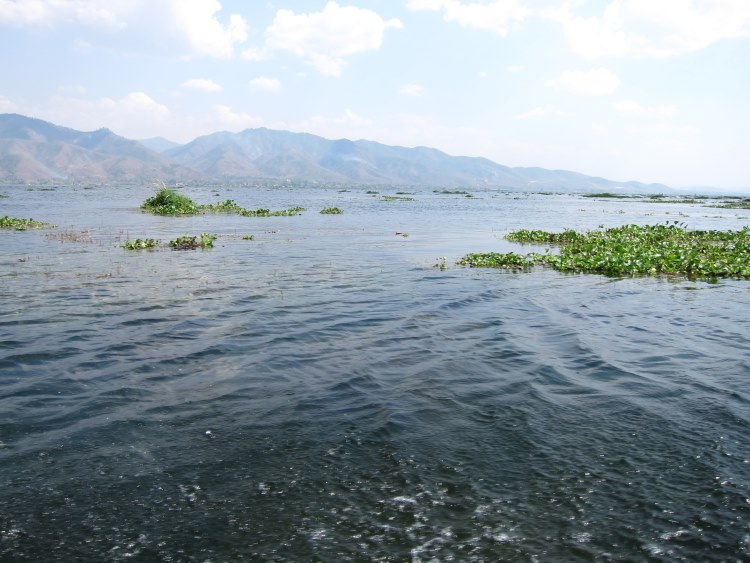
6, 105
595, 82
629, 108
515, 68
197, 20
651, 29
412, 90
164, 25
53, 12
236, 120
539, 112
494, 16
324, 39
201, 84
265, 84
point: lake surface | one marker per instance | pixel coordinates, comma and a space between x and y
324, 393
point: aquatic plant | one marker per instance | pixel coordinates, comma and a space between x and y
396, 198
332, 211
248, 237
191, 243
169, 202
226, 206
140, 244
668, 249
542, 237
268, 213
22, 224
4, 196
609, 195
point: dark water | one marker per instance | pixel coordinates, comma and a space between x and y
323, 393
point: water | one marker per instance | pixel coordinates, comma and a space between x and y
322, 392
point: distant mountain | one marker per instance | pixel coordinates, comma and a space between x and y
35, 150
301, 156
158, 144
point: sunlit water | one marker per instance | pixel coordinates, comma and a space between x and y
322, 392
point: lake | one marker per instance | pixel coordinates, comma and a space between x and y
323, 392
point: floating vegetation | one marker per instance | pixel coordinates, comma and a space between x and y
733, 205
268, 213
205, 240
526, 236
226, 206
403, 234
609, 195
634, 250
441, 263
140, 244
332, 211
372, 192
4, 196
451, 192
169, 202
396, 198
22, 224
248, 237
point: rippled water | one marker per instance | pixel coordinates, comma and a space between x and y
322, 392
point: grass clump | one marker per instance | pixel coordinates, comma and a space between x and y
527, 236
140, 244
169, 202
332, 211
268, 213
205, 240
638, 250
21, 224
396, 198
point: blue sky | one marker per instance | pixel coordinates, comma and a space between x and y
649, 90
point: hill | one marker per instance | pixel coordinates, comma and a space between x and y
32, 150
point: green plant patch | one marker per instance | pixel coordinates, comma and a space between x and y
204, 240
248, 237
396, 198
22, 224
332, 211
268, 213
226, 206
527, 236
609, 195
140, 244
633, 250
169, 202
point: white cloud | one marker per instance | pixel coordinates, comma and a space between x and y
652, 29
201, 84
595, 82
197, 20
412, 90
515, 68
166, 25
539, 112
629, 108
265, 84
325, 38
236, 120
7, 106
494, 16
54, 12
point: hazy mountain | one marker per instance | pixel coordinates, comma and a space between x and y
282, 154
35, 150
158, 144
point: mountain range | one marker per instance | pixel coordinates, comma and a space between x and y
33, 150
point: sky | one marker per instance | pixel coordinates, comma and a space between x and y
647, 90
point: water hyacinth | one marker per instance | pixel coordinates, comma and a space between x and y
168, 202
633, 250
22, 224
